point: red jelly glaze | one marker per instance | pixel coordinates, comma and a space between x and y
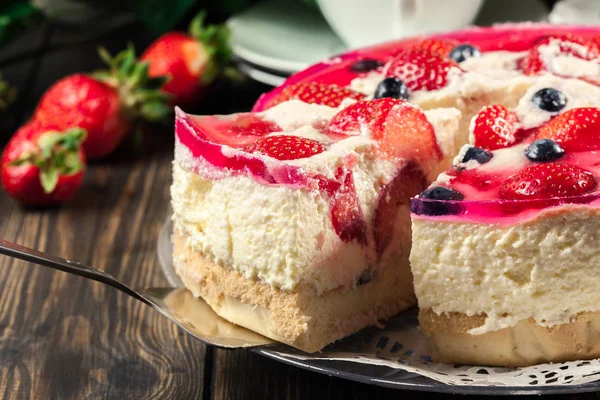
488, 206
509, 37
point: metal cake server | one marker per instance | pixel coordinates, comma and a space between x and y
192, 314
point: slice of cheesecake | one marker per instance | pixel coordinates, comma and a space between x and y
294, 222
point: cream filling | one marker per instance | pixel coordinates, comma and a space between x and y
547, 269
280, 235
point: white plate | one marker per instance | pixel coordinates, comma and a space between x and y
286, 36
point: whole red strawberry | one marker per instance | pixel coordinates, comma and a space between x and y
495, 127
575, 130
544, 181
42, 166
105, 104
190, 61
421, 69
317, 93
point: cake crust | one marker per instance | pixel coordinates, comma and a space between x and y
299, 318
524, 344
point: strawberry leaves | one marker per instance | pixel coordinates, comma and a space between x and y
141, 95
215, 39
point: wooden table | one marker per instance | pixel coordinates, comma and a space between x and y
62, 336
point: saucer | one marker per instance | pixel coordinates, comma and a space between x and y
283, 36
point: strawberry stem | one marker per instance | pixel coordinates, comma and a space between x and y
215, 39
141, 96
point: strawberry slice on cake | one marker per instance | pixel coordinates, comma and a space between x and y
294, 222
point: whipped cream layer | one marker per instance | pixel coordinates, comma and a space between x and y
546, 268
282, 233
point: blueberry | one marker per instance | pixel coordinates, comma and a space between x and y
478, 154
425, 205
365, 65
391, 87
441, 193
544, 150
464, 51
549, 99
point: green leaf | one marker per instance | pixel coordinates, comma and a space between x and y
49, 179
155, 111
15, 17
159, 15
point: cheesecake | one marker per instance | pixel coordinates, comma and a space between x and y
294, 222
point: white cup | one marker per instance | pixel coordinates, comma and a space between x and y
362, 23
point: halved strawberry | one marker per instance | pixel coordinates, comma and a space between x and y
545, 181
318, 93
553, 46
496, 127
575, 130
346, 215
402, 130
408, 182
237, 130
441, 47
286, 147
421, 69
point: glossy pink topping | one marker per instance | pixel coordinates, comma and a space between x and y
510, 37
557, 163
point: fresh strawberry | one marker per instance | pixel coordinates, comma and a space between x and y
237, 130
41, 166
421, 69
441, 47
534, 63
318, 93
191, 61
106, 104
544, 181
575, 130
402, 130
408, 182
346, 215
496, 127
285, 147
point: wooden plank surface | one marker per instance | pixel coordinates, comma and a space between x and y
65, 337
